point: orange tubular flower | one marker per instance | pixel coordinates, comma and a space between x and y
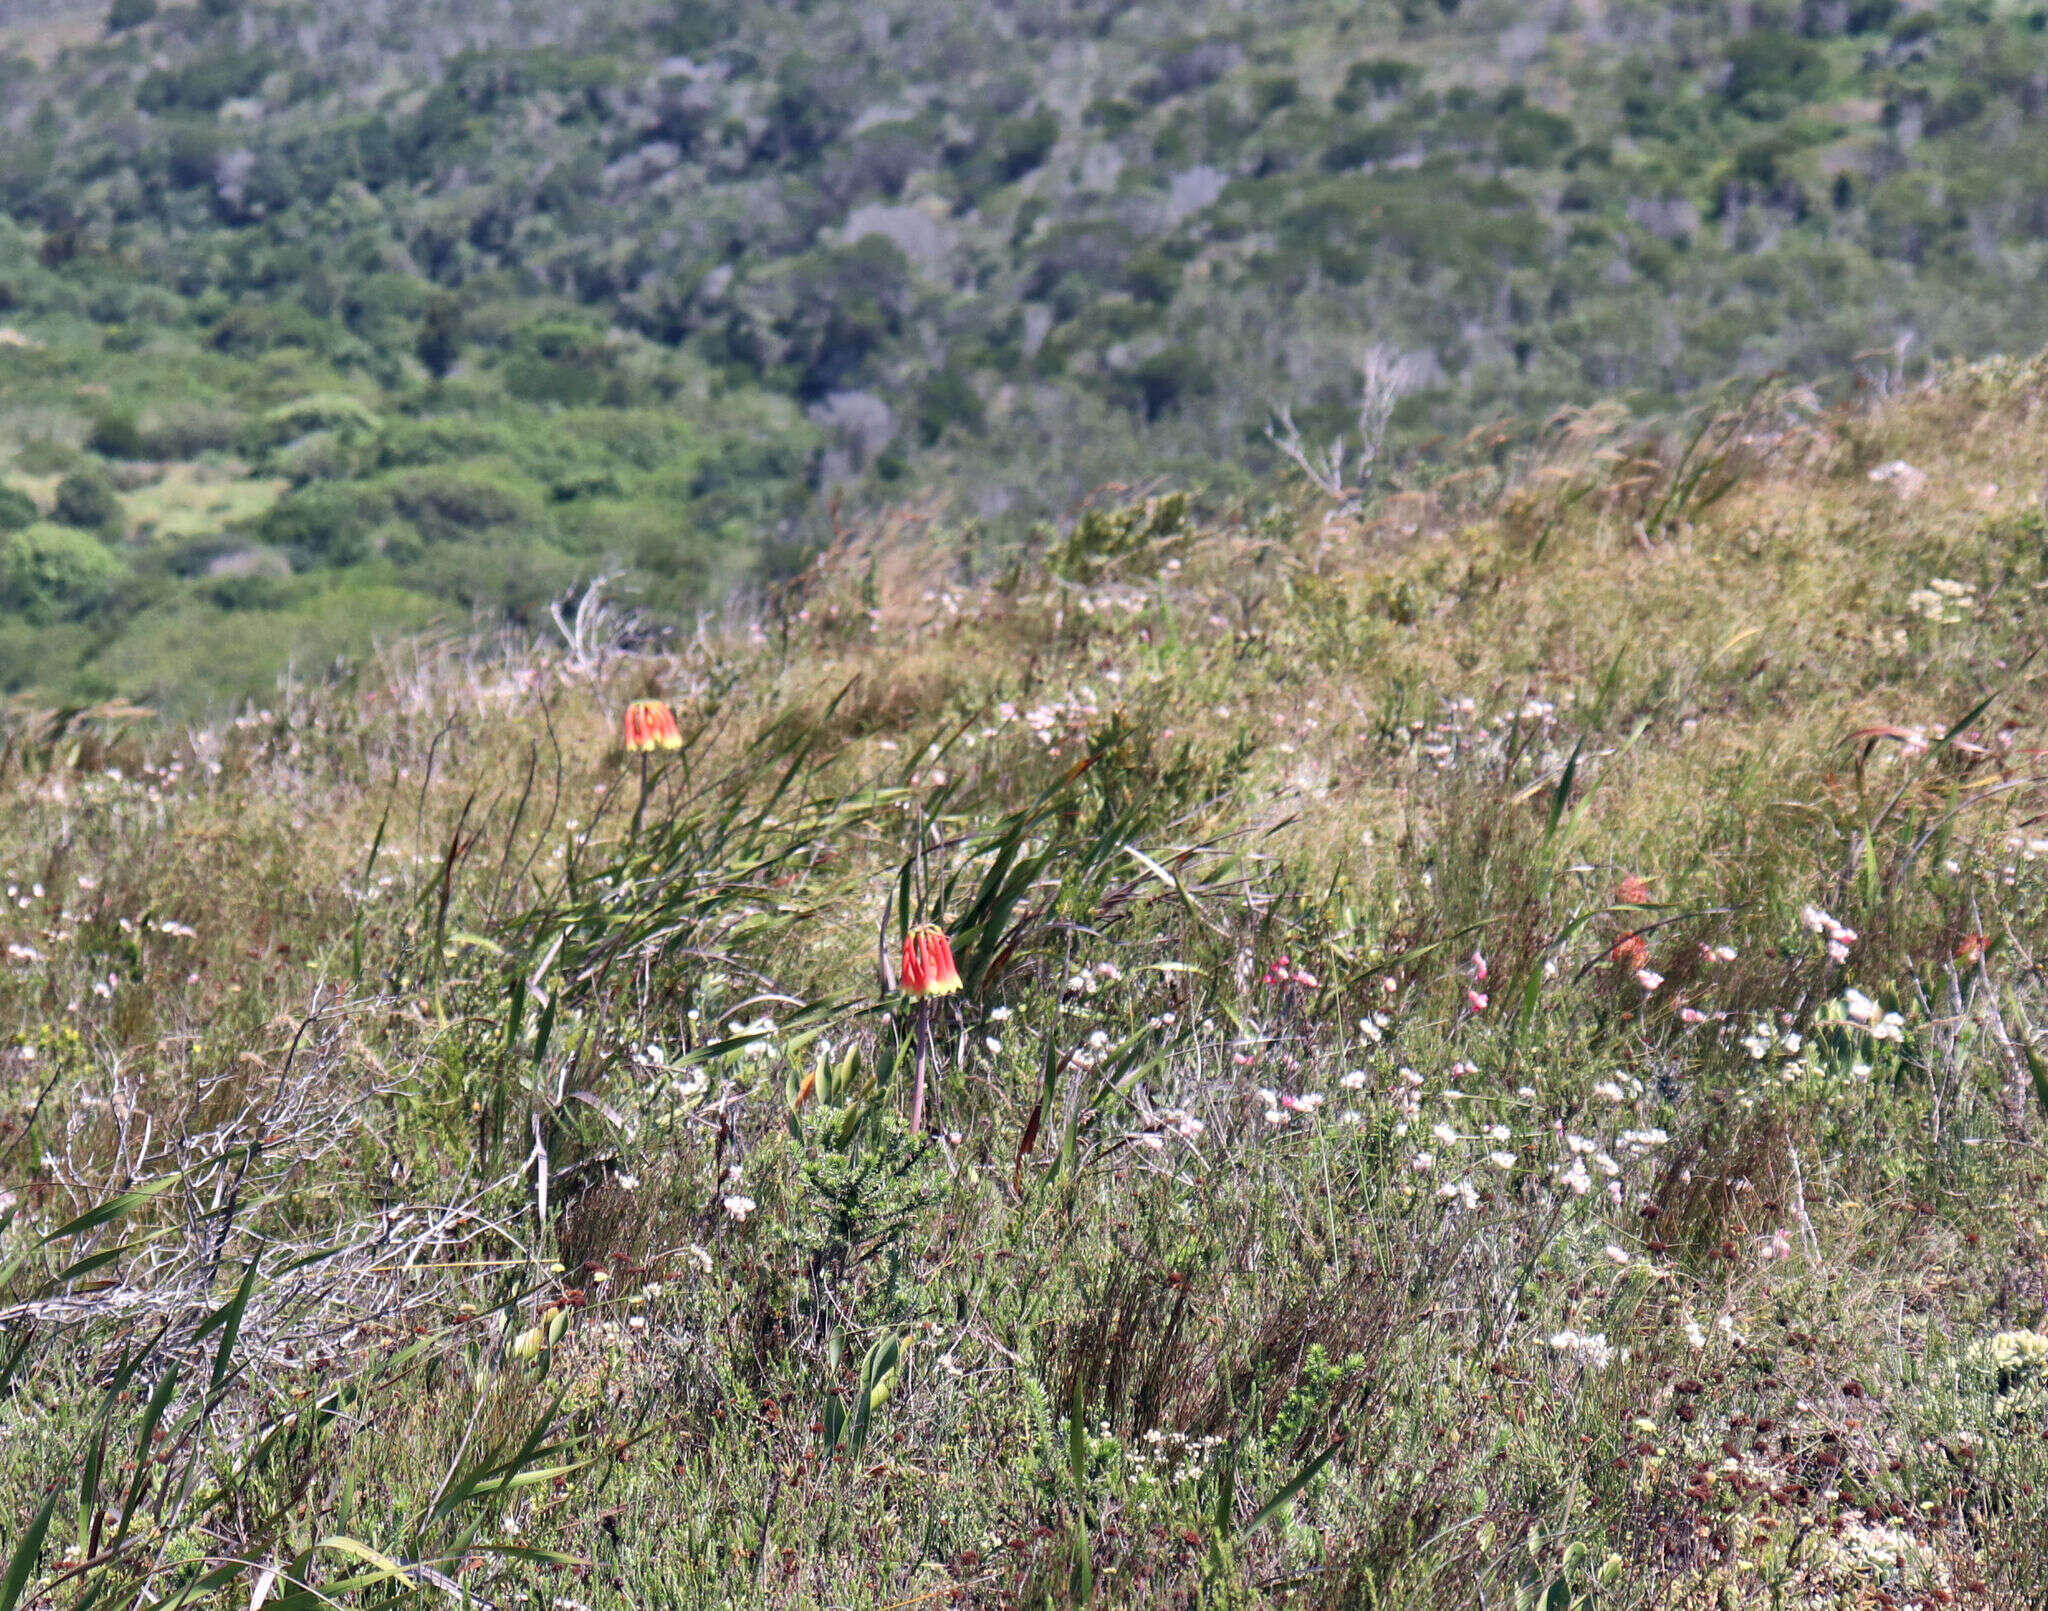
928, 967
1632, 951
650, 725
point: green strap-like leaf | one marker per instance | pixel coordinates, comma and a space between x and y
23, 1562
1301, 1479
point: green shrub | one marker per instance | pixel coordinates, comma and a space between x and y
86, 500
1112, 115
407, 443
186, 430
545, 380
1770, 72
507, 582
331, 413
1530, 137
51, 572
126, 14
324, 524
1159, 384
949, 398
17, 509
447, 506
440, 338
1365, 80
1275, 93
115, 435
203, 84
1023, 143
250, 331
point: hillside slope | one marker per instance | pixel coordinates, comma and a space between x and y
363, 315
1502, 1050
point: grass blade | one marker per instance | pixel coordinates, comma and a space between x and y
1300, 1480
23, 1562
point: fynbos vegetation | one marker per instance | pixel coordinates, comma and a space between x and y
322, 320
1497, 1059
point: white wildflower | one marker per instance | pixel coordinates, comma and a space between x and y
1589, 1348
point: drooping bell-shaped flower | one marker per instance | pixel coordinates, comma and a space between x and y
650, 725
928, 966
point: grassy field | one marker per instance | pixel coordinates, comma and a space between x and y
1501, 1065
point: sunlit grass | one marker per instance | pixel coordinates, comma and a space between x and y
192, 500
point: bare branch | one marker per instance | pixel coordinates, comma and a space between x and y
1383, 375
593, 634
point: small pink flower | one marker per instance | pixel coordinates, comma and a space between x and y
1478, 1000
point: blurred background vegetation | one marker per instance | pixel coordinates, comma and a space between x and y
321, 322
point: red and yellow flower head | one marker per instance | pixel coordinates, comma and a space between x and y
928, 967
650, 725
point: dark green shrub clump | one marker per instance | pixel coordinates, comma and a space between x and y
324, 525
85, 500
17, 509
117, 436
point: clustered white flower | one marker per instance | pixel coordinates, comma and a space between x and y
1943, 601
1588, 1349
1870, 1017
1839, 937
1174, 1456
1764, 1037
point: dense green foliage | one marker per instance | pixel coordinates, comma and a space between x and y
674, 277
